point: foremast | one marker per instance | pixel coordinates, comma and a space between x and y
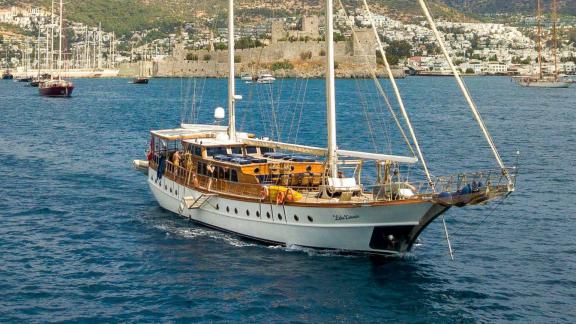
539, 37
60, 40
231, 80
332, 158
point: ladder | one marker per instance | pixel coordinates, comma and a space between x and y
196, 203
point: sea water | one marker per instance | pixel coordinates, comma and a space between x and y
82, 238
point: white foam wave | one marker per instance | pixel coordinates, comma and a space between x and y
194, 232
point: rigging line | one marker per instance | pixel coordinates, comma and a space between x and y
382, 91
301, 111
262, 112
297, 108
294, 110
193, 103
278, 101
200, 100
364, 105
292, 115
270, 93
465, 92
491, 212
397, 93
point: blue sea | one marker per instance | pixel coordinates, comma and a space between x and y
83, 240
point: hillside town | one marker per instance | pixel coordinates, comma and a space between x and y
283, 43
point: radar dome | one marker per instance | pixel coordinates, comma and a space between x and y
219, 113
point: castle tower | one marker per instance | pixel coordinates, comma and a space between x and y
278, 31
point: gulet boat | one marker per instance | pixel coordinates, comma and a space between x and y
57, 87
315, 197
541, 80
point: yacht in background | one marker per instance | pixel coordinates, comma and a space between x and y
265, 78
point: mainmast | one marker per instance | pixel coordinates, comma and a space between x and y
52, 38
555, 36
332, 158
60, 40
231, 80
539, 36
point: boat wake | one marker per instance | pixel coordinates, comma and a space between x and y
193, 232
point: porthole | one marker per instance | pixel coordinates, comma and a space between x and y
280, 216
296, 218
268, 215
247, 212
258, 214
291, 168
217, 207
236, 211
257, 170
309, 168
310, 219
227, 209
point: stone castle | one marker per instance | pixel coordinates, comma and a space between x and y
302, 47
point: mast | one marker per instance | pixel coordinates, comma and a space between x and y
539, 36
60, 40
38, 52
100, 46
52, 38
555, 36
231, 80
332, 148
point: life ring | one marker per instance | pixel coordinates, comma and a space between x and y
290, 195
280, 197
263, 193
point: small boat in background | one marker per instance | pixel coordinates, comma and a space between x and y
24, 79
39, 79
265, 78
7, 75
246, 77
140, 80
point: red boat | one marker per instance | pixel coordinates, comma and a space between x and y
56, 88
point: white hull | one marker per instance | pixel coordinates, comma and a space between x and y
546, 84
344, 229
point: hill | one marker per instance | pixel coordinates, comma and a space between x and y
124, 16
509, 6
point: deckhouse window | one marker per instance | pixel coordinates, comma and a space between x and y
264, 150
197, 150
236, 150
213, 151
251, 150
233, 176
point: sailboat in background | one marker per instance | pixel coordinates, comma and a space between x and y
7, 75
290, 194
57, 87
541, 80
142, 78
